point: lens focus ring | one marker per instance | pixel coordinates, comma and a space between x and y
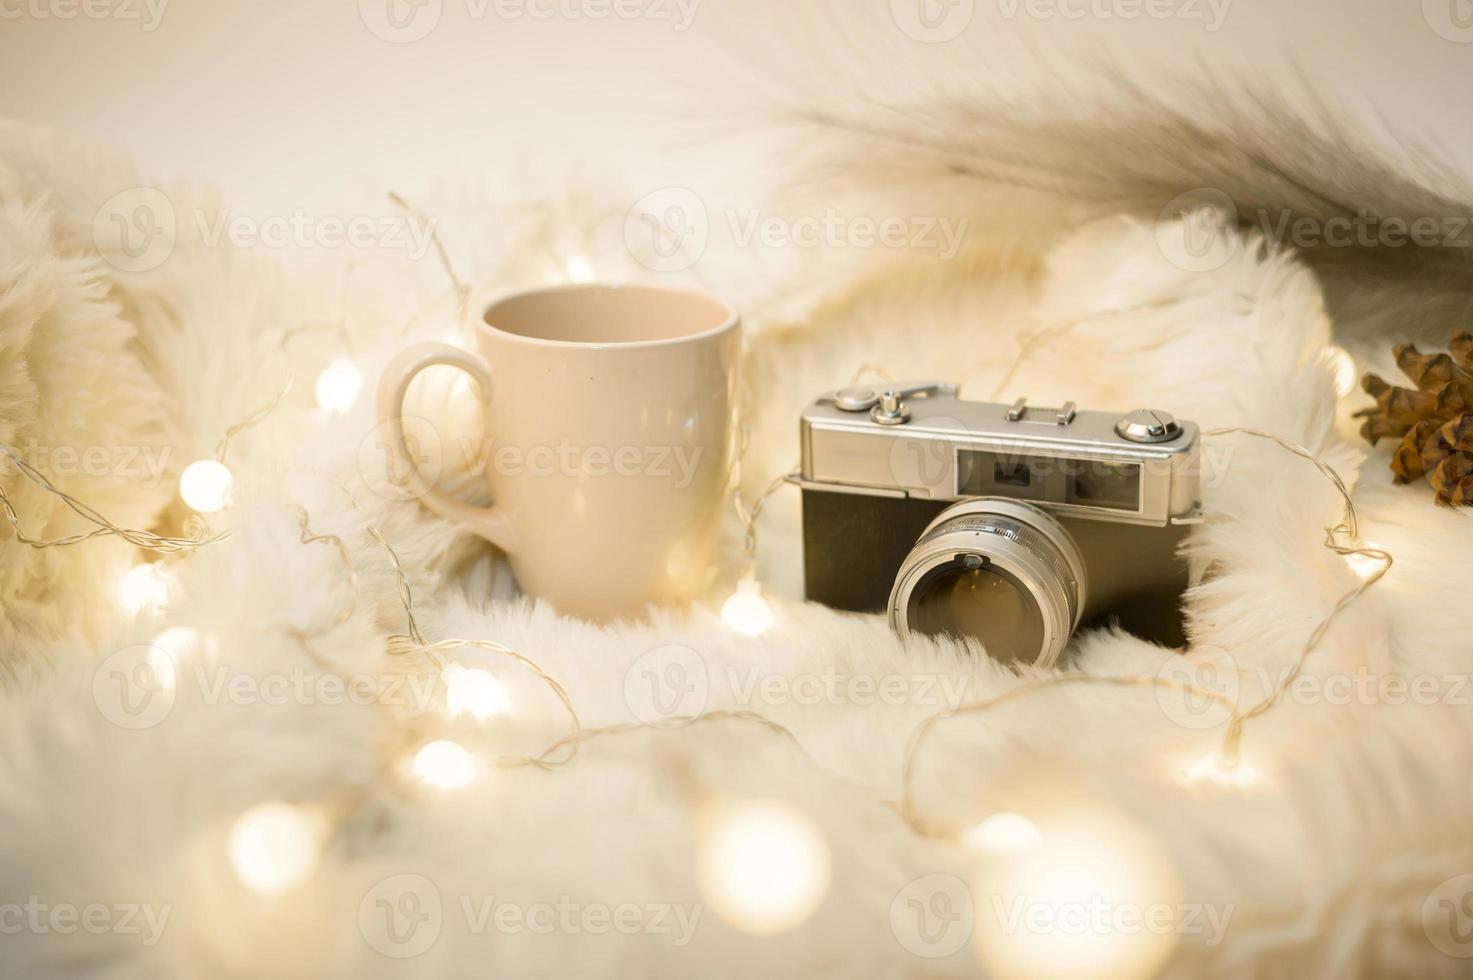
1022, 547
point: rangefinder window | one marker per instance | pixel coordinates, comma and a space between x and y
1019, 476
1011, 473
1103, 483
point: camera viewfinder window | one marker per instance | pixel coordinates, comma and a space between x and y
1015, 475
1102, 483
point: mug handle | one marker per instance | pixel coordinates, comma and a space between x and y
491, 522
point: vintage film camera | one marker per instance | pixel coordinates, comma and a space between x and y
1012, 524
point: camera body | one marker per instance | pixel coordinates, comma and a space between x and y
890, 472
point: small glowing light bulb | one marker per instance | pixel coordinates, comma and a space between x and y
764, 867
338, 386
1223, 770
273, 847
207, 486
145, 588
580, 270
1003, 833
747, 611
1365, 565
1091, 856
475, 692
183, 642
1346, 373
445, 765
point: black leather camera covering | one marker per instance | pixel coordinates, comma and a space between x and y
854, 544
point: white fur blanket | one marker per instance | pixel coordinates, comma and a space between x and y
1329, 864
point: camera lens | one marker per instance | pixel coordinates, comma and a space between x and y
1000, 571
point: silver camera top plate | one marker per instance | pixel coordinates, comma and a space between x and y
921, 440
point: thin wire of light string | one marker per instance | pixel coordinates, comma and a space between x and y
565, 749
925, 730
147, 540
462, 291
1349, 528
750, 516
345, 612
415, 642
1230, 746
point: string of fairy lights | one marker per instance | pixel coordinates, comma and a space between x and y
764, 866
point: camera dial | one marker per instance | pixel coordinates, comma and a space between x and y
1147, 425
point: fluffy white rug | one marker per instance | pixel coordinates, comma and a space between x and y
1328, 864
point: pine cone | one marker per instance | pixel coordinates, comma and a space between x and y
1434, 420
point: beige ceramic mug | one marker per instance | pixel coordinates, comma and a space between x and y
609, 439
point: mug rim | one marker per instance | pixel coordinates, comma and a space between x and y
732, 321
